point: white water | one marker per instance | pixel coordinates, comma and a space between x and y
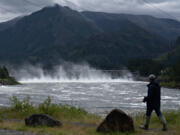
84, 87
50, 80
96, 97
67, 73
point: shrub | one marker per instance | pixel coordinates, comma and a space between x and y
47, 107
21, 109
21, 106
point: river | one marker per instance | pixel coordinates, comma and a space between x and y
95, 97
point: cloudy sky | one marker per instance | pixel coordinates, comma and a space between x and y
160, 8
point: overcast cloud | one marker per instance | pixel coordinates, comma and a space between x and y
160, 8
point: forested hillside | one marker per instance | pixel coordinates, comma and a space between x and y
107, 41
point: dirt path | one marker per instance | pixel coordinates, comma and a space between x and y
77, 124
152, 131
159, 132
12, 132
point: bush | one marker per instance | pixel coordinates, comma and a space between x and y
66, 111
21, 106
47, 107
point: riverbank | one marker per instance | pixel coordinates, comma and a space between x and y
163, 83
75, 121
5, 78
9, 81
172, 84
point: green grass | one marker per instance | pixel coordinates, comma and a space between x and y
21, 109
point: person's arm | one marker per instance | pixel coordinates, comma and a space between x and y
150, 94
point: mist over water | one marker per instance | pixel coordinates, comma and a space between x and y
83, 87
67, 73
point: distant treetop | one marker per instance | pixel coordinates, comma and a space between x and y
4, 73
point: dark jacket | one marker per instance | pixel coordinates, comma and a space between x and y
153, 98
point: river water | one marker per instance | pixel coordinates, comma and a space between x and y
95, 97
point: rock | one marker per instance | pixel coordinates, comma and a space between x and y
116, 121
41, 120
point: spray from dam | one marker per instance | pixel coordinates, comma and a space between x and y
67, 73
84, 87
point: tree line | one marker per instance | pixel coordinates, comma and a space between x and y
4, 74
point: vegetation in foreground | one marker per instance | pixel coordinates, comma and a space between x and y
75, 121
5, 78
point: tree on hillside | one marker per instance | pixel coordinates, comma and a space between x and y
175, 72
145, 66
4, 73
172, 73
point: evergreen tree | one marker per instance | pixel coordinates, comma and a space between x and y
4, 73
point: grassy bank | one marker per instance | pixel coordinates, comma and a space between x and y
75, 121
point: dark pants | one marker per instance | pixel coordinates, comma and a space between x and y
151, 108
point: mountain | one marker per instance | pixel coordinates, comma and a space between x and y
173, 56
57, 33
52, 29
115, 48
8, 24
165, 28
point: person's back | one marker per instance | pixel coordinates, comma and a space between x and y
154, 93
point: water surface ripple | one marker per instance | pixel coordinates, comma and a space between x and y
100, 97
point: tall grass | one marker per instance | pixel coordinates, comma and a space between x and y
20, 109
23, 106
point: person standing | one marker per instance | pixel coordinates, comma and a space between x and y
153, 102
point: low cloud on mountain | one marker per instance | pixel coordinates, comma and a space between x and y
161, 8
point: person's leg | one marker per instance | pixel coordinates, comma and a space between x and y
149, 110
148, 116
162, 119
